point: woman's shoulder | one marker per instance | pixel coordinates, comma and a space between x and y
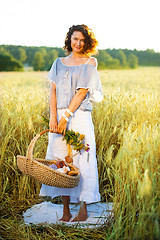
92, 61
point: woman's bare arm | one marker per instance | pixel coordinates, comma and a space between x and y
74, 104
53, 109
77, 100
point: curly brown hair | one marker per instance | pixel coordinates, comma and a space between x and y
89, 39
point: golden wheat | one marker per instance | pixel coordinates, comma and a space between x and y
127, 129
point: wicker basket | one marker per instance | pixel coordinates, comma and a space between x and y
39, 169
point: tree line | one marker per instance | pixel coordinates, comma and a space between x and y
15, 58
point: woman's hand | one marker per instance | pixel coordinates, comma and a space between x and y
62, 125
53, 124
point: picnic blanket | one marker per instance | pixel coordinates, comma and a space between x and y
49, 213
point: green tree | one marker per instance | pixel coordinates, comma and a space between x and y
43, 51
50, 57
132, 61
9, 63
106, 61
121, 57
3, 51
38, 61
22, 54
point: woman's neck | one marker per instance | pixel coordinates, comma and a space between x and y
74, 55
75, 59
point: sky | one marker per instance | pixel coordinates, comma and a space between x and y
132, 24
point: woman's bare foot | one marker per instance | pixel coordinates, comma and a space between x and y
66, 217
66, 211
82, 215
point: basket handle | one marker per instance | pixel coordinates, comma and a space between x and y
29, 153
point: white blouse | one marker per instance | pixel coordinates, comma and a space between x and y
68, 79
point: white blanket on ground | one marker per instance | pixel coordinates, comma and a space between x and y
49, 213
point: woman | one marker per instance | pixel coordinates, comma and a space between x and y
74, 84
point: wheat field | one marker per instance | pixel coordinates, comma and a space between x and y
127, 130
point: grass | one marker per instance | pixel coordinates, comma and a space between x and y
127, 129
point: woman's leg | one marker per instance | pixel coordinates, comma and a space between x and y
82, 215
66, 211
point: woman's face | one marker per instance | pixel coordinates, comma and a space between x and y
77, 42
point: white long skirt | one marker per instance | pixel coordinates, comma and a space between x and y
88, 187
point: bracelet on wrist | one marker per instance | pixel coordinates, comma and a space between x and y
65, 117
70, 113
